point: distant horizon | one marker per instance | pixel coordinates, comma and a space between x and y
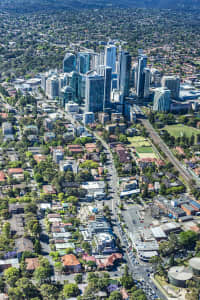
36, 5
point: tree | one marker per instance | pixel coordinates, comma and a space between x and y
123, 138
188, 239
30, 208
145, 191
83, 175
42, 274
93, 276
58, 267
2, 285
78, 278
6, 230
69, 251
86, 246
103, 158
171, 261
138, 295
155, 260
71, 290
72, 199
15, 293
103, 283
11, 276
90, 290
91, 264
115, 296
49, 292
38, 177
197, 247
126, 279
162, 189
27, 288
37, 247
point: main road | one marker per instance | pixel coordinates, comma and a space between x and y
187, 177
137, 269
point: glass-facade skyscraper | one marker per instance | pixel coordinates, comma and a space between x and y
147, 81
69, 63
124, 68
94, 94
162, 99
110, 57
106, 72
173, 84
142, 63
83, 62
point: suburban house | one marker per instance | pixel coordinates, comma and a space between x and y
32, 264
71, 263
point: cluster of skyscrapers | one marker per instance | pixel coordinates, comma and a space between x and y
93, 77
103, 81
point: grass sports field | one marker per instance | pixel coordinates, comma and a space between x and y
142, 146
179, 130
138, 141
144, 149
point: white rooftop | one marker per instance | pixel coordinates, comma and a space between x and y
158, 232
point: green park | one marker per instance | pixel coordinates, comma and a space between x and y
179, 130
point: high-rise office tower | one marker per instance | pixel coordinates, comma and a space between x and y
66, 95
45, 76
114, 81
101, 58
135, 67
62, 80
147, 81
110, 57
52, 87
106, 72
82, 86
162, 99
97, 59
132, 78
69, 63
73, 81
94, 94
142, 63
173, 84
155, 77
83, 62
124, 68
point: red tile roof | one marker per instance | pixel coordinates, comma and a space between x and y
70, 260
39, 157
87, 257
48, 189
4, 115
2, 176
108, 261
15, 171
